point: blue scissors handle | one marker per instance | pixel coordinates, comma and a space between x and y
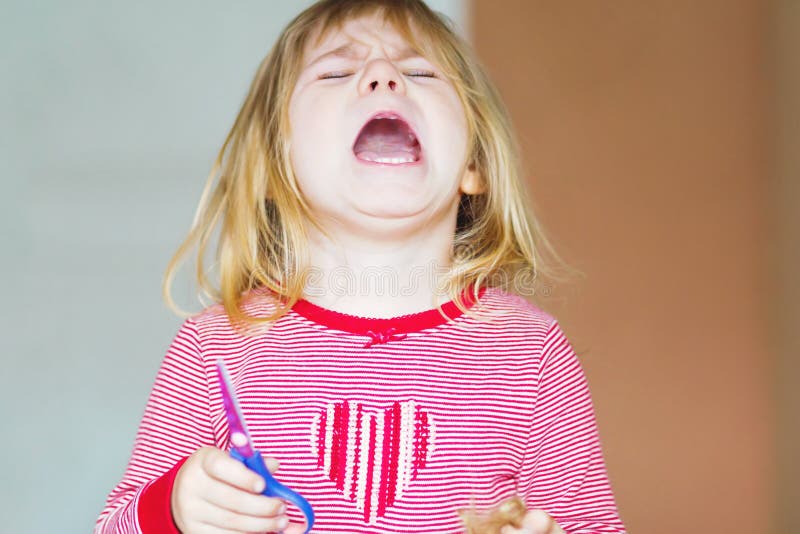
276, 489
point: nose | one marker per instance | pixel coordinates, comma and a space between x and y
381, 75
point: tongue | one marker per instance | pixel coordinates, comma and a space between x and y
387, 140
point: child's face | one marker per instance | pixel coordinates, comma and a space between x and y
406, 169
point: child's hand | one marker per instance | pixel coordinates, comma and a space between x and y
213, 493
535, 522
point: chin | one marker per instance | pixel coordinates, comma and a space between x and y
393, 212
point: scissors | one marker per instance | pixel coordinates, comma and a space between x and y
242, 449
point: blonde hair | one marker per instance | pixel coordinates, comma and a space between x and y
253, 202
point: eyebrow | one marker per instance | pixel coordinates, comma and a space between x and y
347, 50
351, 51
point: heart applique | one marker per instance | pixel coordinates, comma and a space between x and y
372, 457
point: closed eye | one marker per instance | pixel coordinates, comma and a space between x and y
334, 75
345, 74
420, 73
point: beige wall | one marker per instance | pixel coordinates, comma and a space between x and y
645, 130
786, 259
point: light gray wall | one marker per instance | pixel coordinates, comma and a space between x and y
111, 114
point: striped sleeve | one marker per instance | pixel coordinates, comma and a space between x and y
563, 472
176, 423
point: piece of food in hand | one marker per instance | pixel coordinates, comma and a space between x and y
510, 512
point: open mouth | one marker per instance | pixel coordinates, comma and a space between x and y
387, 139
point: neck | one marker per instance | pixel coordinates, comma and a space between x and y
378, 278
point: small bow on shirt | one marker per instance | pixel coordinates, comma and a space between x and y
377, 338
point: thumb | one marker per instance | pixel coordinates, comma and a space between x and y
271, 463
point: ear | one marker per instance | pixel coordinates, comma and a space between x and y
471, 182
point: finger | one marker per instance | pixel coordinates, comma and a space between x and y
538, 522
223, 468
243, 502
295, 528
209, 529
272, 464
534, 522
214, 516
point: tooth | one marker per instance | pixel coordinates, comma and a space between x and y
391, 160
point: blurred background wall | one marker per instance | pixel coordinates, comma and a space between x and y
785, 266
660, 141
111, 116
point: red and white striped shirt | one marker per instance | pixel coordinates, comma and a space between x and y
384, 425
